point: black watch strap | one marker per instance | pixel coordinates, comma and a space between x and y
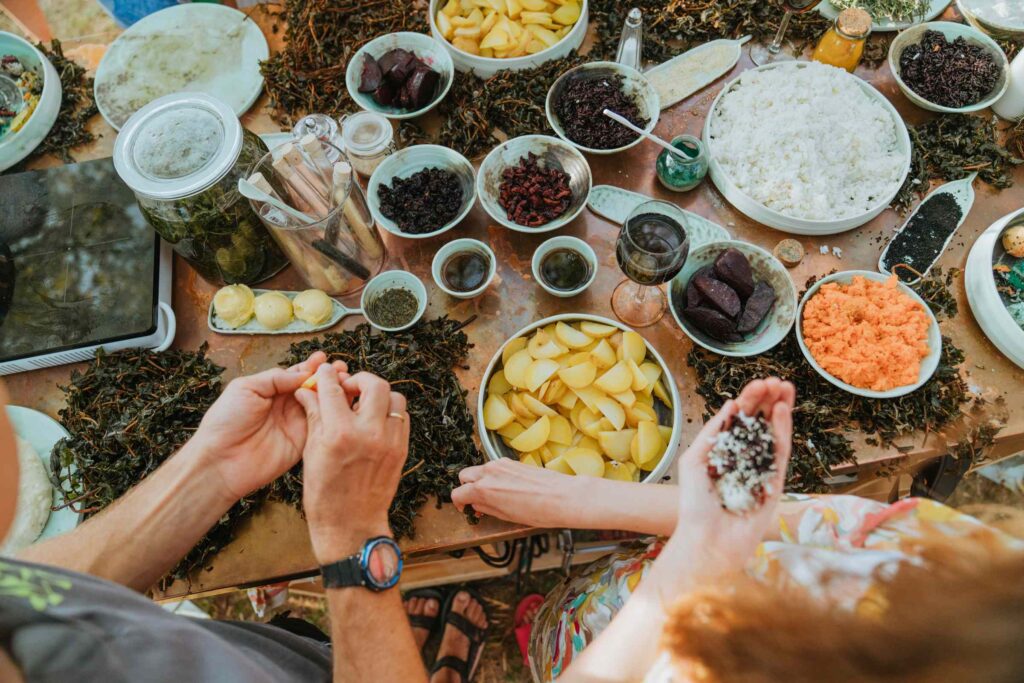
343, 574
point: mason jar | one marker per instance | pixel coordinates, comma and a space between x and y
182, 156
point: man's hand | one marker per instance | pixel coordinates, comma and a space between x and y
353, 460
256, 430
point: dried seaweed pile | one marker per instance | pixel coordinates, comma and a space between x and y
950, 147
77, 106
419, 364
127, 413
825, 414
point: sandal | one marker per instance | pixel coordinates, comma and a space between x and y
522, 627
423, 621
465, 668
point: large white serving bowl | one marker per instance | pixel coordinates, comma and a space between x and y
485, 67
496, 448
928, 365
985, 302
952, 31
424, 47
998, 18
409, 161
802, 226
16, 146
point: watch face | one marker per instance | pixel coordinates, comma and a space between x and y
384, 564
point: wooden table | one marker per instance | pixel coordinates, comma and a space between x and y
274, 545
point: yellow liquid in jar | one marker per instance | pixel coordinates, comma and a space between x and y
839, 51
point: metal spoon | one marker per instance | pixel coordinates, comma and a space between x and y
250, 191
653, 138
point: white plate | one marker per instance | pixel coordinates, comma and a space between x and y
937, 7
802, 226
195, 47
986, 304
1001, 18
296, 326
42, 432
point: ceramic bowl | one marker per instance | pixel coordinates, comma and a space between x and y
496, 448
928, 365
802, 226
634, 84
772, 330
410, 160
986, 304
998, 18
933, 9
551, 152
424, 47
485, 67
16, 146
952, 31
391, 279
455, 247
565, 242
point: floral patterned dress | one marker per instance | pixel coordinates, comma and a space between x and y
850, 539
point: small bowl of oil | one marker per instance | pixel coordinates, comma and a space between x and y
464, 268
564, 266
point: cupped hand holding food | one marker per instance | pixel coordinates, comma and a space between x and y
353, 459
256, 430
710, 540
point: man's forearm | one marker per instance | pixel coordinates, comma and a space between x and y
141, 537
371, 637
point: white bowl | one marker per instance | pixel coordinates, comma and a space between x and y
496, 448
998, 18
635, 86
424, 47
802, 226
986, 304
550, 152
410, 160
391, 279
485, 67
952, 31
452, 248
928, 365
776, 325
16, 146
564, 242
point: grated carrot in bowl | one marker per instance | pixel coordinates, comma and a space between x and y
869, 334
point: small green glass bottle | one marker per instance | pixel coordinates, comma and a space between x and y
685, 170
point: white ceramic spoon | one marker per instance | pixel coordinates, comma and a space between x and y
250, 191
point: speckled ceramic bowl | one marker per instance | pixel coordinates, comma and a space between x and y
928, 365
551, 152
772, 330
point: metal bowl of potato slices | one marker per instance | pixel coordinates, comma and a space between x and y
581, 395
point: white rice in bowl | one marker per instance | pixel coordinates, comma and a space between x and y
35, 496
808, 142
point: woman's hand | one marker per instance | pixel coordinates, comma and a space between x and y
708, 539
256, 430
519, 493
352, 461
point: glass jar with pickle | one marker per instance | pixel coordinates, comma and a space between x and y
182, 156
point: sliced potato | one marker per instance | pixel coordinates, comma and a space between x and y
512, 347
615, 444
589, 396
533, 5
511, 431
596, 330
568, 400
444, 25
612, 410
497, 413
514, 7
666, 434
633, 347
627, 398
652, 372
498, 384
538, 408
649, 446
556, 389
532, 459
518, 406
574, 377
559, 465
644, 397
640, 381
603, 355
571, 337
617, 471
567, 14
540, 371
561, 431
588, 442
661, 392
639, 412
534, 437
451, 8
585, 462
515, 368
616, 380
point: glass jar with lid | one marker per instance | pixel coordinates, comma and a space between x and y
182, 156
842, 45
369, 139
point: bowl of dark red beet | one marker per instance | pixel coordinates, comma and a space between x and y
733, 298
949, 68
534, 183
400, 75
421, 191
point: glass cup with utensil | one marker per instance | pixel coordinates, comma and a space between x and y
761, 54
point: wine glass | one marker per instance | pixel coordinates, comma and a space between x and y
761, 55
651, 249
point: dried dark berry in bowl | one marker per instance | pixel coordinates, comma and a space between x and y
952, 74
533, 196
424, 202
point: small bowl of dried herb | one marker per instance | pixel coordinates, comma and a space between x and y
534, 183
422, 191
394, 301
949, 68
576, 102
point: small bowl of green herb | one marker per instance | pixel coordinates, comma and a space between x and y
394, 301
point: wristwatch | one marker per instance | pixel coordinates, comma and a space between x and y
377, 566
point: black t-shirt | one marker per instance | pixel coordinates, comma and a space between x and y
62, 626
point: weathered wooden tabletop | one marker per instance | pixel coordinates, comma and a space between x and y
274, 545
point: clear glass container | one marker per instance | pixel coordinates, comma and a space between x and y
340, 250
685, 170
842, 45
182, 156
369, 139
323, 127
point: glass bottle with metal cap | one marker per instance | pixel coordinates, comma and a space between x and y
843, 45
182, 156
369, 139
